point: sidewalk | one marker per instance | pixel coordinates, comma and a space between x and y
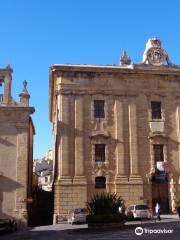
165, 218
65, 226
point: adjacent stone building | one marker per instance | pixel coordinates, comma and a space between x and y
16, 150
116, 128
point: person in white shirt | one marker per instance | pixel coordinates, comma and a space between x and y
157, 211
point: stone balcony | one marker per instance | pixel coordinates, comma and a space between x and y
157, 125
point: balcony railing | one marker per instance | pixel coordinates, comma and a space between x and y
1, 97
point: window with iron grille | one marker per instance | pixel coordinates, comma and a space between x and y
99, 109
100, 182
158, 152
156, 110
99, 152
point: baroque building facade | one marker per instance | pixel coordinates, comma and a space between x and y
116, 128
16, 150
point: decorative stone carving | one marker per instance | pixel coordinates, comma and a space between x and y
154, 54
101, 169
24, 95
100, 130
125, 59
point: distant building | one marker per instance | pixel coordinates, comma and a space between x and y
16, 150
43, 169
116, 128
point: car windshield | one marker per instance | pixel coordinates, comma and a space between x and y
142, 207
80, 210
131, 208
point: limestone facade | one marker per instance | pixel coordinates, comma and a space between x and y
16, 150
139, 122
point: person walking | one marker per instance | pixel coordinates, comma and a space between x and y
157, 211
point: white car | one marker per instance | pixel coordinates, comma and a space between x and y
77, 215
138, 211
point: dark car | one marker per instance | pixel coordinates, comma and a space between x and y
8, 225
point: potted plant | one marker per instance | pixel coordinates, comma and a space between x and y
104, 211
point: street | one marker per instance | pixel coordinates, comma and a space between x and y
168, 229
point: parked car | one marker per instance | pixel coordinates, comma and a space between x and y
77, 215
8, 225
138, 211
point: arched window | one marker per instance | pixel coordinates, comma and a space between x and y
100, 182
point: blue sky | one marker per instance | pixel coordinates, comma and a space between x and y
38, 33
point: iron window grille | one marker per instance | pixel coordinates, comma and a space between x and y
99, 109
99, 152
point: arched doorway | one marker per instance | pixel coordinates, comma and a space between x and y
160, 192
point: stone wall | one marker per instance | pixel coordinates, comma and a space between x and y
125, 130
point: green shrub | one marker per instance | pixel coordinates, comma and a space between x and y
105, 204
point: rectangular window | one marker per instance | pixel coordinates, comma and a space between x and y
99, 109
99, 152
156, 110
100, 182
158, 152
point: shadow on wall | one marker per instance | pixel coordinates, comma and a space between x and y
6, 185
5, 142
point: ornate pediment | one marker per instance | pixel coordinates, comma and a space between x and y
101, 169
100, 130
161, 135
154, 54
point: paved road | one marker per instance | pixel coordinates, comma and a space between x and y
81, 232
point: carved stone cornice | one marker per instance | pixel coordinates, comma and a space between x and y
115, 92
17, 108
157, 134
131, 69
104, 134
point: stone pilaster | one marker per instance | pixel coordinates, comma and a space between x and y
178, 131
20, 210
152, 157
64, 163
79, 141
119, 135
7, 89
133, 144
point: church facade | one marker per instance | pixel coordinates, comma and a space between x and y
116, 128
16, 151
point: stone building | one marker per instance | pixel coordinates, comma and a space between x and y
116, 128
43, 169
16, 150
